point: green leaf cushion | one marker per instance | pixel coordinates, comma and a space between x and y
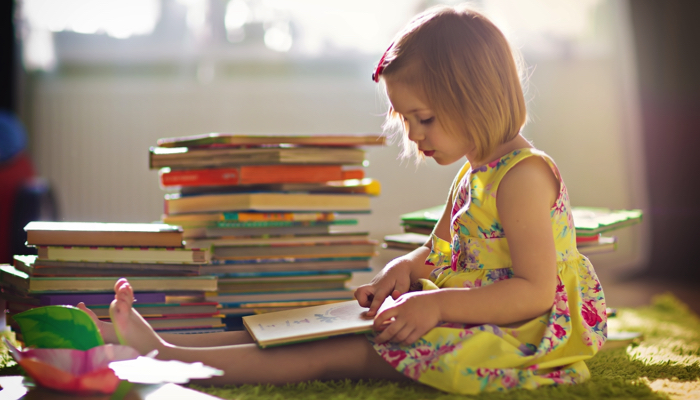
58, 327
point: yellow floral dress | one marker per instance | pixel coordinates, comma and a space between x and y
548, 350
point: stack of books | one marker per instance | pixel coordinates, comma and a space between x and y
276, 212
80, 262
593, 228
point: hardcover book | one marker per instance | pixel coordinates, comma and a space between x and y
603, 244
203, 220
216, 232
309, 323
226, 299
153, 255
593, 221
49, 233
171, 310
251, 175
33, 267
187, 158
95, 299
277, 224
588, 221
274, 201
236, 139
405, 241
165, 324
20, 281
367, 186
360, 248
288, 267
274, 240
282, 283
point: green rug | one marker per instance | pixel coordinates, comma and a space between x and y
665, 365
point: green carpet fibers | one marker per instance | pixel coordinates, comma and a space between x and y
664, 365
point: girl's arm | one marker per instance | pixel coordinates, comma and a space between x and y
525, 198
396, 277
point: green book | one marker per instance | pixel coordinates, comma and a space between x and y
589, 221
424, 217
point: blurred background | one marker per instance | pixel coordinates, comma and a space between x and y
612, 89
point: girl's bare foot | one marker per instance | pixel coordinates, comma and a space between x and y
130, 328
106, 329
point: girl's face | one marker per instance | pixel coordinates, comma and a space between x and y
422, 126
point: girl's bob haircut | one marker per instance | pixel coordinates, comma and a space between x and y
466, 70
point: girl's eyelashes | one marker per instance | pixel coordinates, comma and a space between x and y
425, 121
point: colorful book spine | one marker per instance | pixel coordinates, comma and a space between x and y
234, 139
255, 175
262, 216
286, 260
270, 224
91, 299
155, 255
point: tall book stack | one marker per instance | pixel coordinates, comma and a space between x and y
276, 212
593, 228
80, 262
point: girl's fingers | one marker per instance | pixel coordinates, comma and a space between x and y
377, 301
363, 295
383, 318
402, 335
415, 335
390, 331
402, 287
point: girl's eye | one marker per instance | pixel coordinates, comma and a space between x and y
427, 120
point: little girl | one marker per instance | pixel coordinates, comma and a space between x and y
504, 299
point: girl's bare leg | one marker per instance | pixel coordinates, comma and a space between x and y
339, 358
199, 340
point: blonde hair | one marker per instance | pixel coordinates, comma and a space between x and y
470, 77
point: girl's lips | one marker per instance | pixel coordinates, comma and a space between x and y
428, 153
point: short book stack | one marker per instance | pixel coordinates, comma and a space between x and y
80, 262
593, 228
275, 211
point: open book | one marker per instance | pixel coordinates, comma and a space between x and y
310, 323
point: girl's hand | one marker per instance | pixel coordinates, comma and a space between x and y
413, 315
394, 280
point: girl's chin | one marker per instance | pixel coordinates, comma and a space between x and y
446, 161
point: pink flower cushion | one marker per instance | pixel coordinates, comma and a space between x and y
74, 371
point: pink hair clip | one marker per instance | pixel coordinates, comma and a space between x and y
380, 65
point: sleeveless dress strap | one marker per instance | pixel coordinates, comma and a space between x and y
516, 157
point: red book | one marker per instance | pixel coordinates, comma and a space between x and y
257, 175
587, 239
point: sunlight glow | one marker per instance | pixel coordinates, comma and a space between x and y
117, 18
302, 27
237, 14
278, 37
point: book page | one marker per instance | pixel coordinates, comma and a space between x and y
310, 323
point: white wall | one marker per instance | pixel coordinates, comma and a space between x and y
90, 138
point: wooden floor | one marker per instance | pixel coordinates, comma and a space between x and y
635, 291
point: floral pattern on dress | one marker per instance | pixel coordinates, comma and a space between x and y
548, 350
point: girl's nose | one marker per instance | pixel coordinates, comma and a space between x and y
415, 135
